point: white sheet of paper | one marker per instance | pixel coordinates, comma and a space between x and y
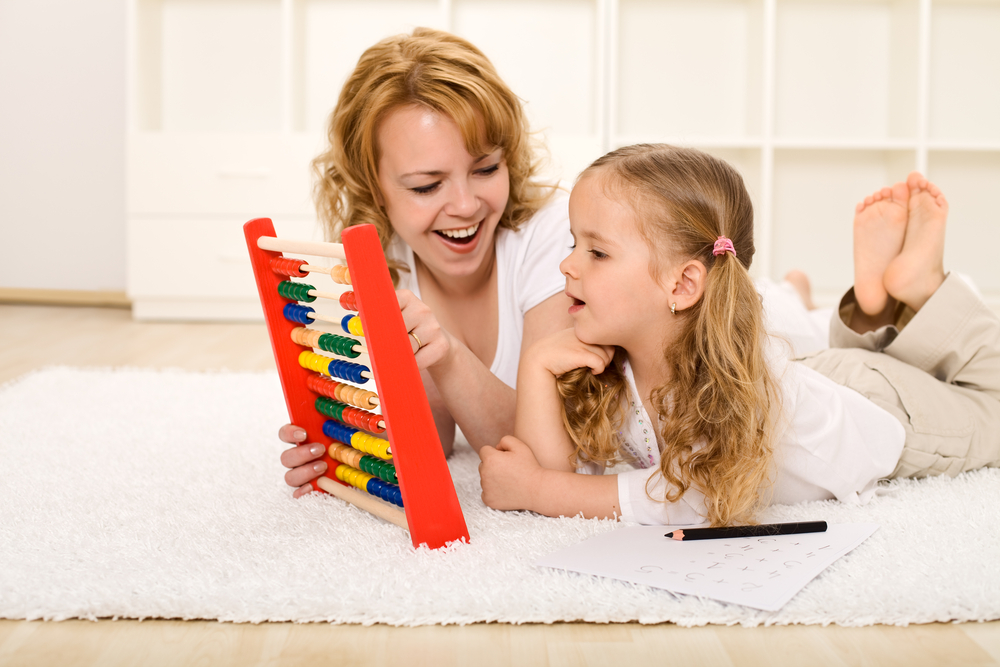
759, 572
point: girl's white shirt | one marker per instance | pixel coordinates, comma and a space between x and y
833, 443
527, 274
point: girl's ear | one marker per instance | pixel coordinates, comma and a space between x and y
689, 283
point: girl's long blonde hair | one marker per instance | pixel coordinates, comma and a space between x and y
721, 393
438, 71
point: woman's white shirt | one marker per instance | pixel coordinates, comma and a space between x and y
527, 274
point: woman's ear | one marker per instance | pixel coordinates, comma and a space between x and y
689, 283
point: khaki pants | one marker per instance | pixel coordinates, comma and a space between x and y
937, 371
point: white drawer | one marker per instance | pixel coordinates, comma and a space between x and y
221, 174
197, 259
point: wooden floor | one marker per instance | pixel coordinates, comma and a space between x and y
32, 337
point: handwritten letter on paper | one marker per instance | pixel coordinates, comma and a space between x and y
759, 572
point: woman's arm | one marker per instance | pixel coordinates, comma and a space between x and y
512, 479
479, 402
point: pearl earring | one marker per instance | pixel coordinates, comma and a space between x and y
673, 309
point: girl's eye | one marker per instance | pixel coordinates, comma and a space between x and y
426, 189
598, 254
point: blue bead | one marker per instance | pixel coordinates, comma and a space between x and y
345, 322
298, 313
337, 431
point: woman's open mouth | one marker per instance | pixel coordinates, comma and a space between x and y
461, 236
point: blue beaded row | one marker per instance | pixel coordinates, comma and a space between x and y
345, 370
298, 313
385, 491
339, 432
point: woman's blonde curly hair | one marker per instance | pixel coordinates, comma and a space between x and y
438, 71
722, 394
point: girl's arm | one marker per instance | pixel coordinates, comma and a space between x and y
538, 421
512, 479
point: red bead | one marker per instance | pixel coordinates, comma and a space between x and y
288, 266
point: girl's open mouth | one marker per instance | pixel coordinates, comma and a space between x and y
459, 236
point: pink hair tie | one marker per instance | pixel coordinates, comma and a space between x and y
722, 246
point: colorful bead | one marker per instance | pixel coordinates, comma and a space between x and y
305, 337
296, 291
288, 266
344, 370
352, 325
293, 312
340, 274
348, 302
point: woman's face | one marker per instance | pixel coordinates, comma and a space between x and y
442, 201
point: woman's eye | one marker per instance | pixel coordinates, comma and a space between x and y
425, 189
488, 171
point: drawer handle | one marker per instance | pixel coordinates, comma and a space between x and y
252, 172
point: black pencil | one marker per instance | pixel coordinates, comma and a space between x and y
762, 530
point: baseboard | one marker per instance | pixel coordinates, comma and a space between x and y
64, 297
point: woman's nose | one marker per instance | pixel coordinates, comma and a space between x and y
463, 202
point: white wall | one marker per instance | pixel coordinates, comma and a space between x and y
62, 144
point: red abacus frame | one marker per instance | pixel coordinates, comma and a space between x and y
432, 511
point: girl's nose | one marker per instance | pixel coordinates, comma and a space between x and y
566, 266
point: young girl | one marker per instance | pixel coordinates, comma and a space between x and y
668, 367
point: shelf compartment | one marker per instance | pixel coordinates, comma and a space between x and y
207, 65
846, 69
689, 43
969, 181
555, 66
329, 38
964, 102
815, 193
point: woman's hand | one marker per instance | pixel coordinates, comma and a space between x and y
510, 475
562, 352
430, 342
302, 459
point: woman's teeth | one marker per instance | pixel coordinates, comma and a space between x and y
459, 233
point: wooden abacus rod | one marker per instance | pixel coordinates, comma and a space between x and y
335, 250
364, 501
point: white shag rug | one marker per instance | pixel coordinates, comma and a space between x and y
144, 494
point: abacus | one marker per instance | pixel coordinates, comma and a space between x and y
326, 390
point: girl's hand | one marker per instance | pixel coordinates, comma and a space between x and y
510, 475
563, 351
435, 342
303, 460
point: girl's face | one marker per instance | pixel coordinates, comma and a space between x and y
442, 201
615, 299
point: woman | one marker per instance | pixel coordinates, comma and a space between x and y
428, 144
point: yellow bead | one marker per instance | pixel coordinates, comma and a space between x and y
369, 444
354, 326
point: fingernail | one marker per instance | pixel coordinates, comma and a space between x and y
320, 467
316, 450
299, 434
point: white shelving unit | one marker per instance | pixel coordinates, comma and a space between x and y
818, 103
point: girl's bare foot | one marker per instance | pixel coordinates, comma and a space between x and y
879, 229
800, 281
916, 273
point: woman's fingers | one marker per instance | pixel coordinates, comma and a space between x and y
305, 473
291, 434
428, 340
